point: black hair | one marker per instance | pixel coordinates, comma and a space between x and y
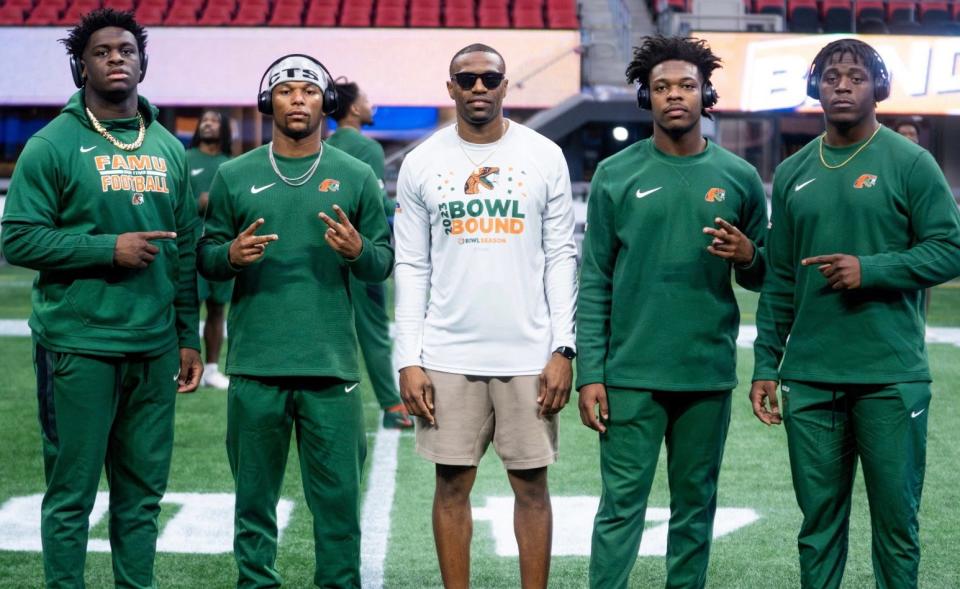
477, 48
658, 49
226, 131
862, 53
347, 93
78, 37
897, 124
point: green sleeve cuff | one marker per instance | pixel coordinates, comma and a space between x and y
585, 378
866, 273
104, 249
753, 260
365, 266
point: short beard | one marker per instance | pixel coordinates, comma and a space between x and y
676, 133
298, 135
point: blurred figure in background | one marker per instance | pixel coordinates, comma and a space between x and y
209, 148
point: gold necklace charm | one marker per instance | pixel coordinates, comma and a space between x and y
846, 161
496, 145
116, 142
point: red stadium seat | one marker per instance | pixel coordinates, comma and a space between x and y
493, 19
355, 16
934, 13
528, 5
251, 15
181, 15
803, 16
770, 7
44, 15
390, 16
11, 15
562, 19
458, 18
528, 19
75, 12
121, 5
869, 9
455, 4
424, 15
149, 15
321, 15
837, 16
901, 12
561, 5
216, 16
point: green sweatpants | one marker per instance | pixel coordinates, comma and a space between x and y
373, 334
327, 416
97, 412
828, 428
694, 426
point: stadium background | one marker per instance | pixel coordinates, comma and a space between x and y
565, 61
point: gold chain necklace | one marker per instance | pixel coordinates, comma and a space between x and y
846, 161
496, 145
117, 143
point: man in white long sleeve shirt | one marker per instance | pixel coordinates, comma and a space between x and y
486, 290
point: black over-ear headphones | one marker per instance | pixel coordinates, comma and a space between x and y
881, 80
331, 100
76, 69
708, 96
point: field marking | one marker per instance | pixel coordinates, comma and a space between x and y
573, 525
203, 524
377, 505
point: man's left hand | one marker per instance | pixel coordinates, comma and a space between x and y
342, 237
190, 370
841, 270
729, 243
555, 382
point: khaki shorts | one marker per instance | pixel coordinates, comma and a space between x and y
472, 411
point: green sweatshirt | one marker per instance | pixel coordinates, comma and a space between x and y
368, 151
891, 207
291, 313
203, 167
656, 310
71, 195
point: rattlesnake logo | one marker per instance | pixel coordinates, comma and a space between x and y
865, 181
716, 195
479, 177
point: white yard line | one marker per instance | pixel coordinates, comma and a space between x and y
377, 504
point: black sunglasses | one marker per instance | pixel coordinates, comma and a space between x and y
468, 80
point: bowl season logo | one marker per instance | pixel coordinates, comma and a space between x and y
865, 181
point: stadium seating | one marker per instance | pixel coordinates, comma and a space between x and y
467, 14
837, 16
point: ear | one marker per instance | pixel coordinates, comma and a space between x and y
452, 89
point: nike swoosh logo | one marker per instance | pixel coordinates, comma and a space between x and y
259, 189
196, 171
648, 192
86, 149
799, 186
915, 414
351, 387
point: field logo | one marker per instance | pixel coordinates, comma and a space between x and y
480, 177
716, 195
865, 181
330, 185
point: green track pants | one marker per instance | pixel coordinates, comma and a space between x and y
327, 416
373, 334
828, 428
100, 412
694, 427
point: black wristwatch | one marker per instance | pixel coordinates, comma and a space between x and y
567, 352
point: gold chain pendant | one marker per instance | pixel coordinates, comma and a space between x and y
117, 143
846, 161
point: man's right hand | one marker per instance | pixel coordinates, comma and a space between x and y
247, 248
590, 396
134, 250
762, 393
416, 390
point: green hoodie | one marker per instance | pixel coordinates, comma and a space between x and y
71, 195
